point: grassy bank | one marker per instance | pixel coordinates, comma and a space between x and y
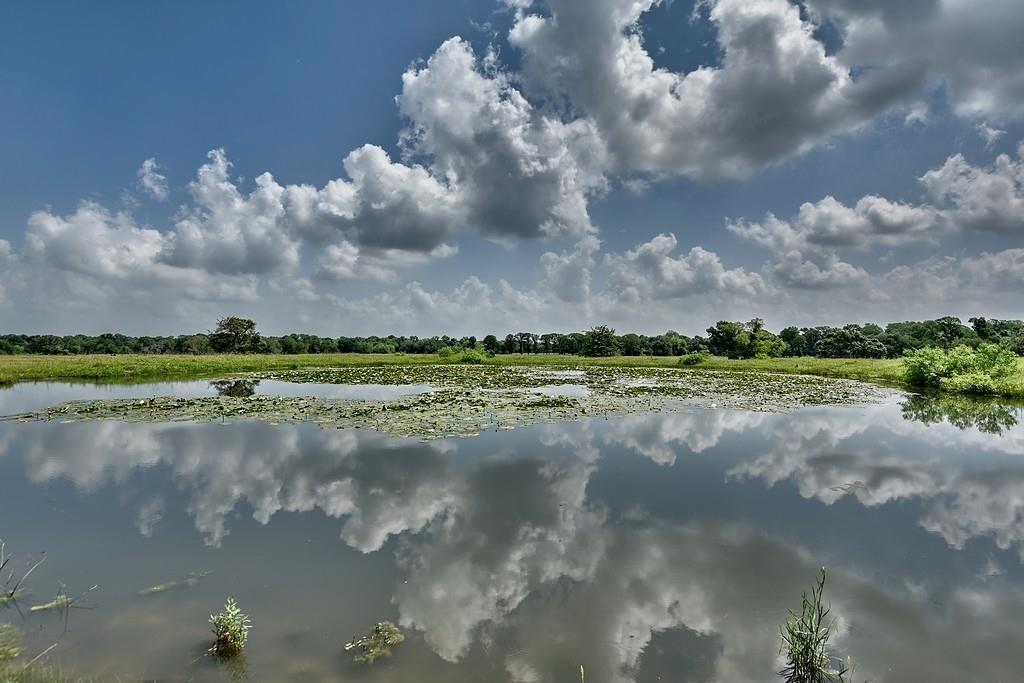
137, 368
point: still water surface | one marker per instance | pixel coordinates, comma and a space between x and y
664, 547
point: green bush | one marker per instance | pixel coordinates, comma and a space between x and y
472, 357
230, 630
961, 369
445, 352
970, 383
960, 360
694, 358
924, 367
996, 360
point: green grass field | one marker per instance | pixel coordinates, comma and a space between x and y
139, 368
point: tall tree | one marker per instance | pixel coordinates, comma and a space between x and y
600, 341
235, 335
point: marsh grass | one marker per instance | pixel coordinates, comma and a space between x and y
10, 643
33, 671
805, 637
141, 368
230, 630
12, 583
375, 644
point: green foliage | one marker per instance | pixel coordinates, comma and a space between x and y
744, 340
445, 352
375, 644
796, 342
472, 357
969, 383
235, 335
230, 630
924, 367
995, 360
34, 673
960, 369
729, 339
848, 342
10, 642
696, 358
764, 344
491, 344
805, 637
600, 341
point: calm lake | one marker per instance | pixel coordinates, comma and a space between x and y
663, 547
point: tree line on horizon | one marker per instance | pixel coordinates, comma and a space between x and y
726, 338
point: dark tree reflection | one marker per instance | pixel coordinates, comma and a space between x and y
235, 388
989, 415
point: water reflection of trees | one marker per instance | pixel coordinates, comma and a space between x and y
235, 388
991, 416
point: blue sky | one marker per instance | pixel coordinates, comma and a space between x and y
651, 165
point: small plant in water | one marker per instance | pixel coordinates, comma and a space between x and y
230, 630
805, 641
10, 643
375, 644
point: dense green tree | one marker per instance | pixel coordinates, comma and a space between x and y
744, 340
848, 342
632, 344
944, 333
729, 339
600, 341
732, 339
795, 342
235, 335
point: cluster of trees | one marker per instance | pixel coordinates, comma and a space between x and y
873, 341
725, 338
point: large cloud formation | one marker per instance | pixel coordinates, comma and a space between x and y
775, 92
971, 47
520, 155
962, 198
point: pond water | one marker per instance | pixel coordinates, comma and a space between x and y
646, 548
33, 396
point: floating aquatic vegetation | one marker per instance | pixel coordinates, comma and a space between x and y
471, 399
62, 602
375, 644
189, 581
230, 630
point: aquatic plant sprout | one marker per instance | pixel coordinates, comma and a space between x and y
230, 630
805, 637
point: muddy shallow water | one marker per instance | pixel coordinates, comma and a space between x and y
645, 547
